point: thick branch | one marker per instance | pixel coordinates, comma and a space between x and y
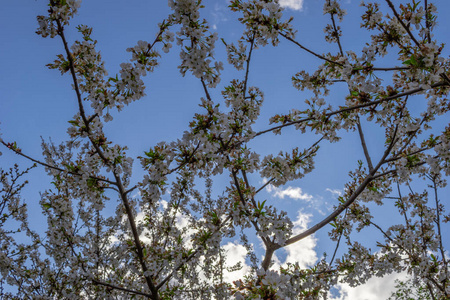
268, 256
122, 192
137, 242
350, 200
205, 88
390, 69
364, 146
438, 225
427, 22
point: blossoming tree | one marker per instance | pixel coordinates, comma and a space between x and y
142, 251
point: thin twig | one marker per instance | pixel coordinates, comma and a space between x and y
264, 185
336, 32
247, 69
190, 256
410, 92
244, 175
115, 287
54, 167
338, 242
396, 40
308, 50
402, 207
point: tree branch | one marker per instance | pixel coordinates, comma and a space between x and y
205, 88
247, 69
438, 225
115, 287
390, 69
427, 22
401, 22
410, 92
264, 185
122, 192
337, 244
189, 257
336, 32
350, 200
54, 167
309, 51
364, 146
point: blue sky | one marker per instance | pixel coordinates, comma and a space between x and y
37, 102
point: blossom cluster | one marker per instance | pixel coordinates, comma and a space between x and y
165, 237
60, 11
198, 54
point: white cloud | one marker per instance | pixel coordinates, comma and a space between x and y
290, 192
334, 192
292, 4
236, 253
374, 289
303, 251
219, 14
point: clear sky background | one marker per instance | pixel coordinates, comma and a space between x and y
37, 102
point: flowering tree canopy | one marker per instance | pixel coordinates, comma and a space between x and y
165, 237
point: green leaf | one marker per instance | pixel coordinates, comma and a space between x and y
373, 189
411, 62
414, 61
261, 205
